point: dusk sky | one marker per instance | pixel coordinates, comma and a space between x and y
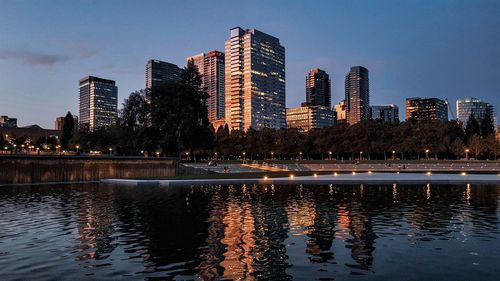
444, 49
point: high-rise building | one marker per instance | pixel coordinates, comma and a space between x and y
357, 94
474, 106
159, 73
58, 123
387, 113
308, 117
98, 102
426, 109
341, 110
211, 68
255, 80
8, 122
318, 88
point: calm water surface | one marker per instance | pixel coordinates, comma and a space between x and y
250, 232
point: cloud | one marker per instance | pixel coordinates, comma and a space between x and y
32, 58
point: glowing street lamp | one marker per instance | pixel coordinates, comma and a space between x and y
157, 154
77, 148
361, 155
467, 154
393, 155
110, 150
244, 155
300, 155
329, 155
427, 154
272, 155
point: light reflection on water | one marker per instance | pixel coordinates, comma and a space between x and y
250, 232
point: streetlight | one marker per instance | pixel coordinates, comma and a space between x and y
467, 154
361, 155
244, 157
187, 156
157, 154
330, 155
393, 155
427, 154
215, 155
77, 149
110, 150
300, 155
272, 155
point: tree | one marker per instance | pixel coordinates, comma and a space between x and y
457, 147
487, 124
179, 114
133, 120
493, 146
472, 127
476, 144
68, 130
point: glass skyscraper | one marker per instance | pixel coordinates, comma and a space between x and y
255, 80
318, 88
98, 102
474, 106
357, 95
308, 117
159, 73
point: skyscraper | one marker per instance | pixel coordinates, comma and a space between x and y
474, 106
318, 88
387, 113
211, 68
98, 102
426, 109
357, 94
159, 73
255, 80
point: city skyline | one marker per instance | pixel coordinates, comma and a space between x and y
405, 57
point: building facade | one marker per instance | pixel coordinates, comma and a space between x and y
341, 111
211, 68
160, 73
426, 109
308, 117
318, 88
387, 113
98, 102
255, 80
8, 122
474, 106
357, 94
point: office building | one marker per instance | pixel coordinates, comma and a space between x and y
98, 102
255, 80
426, 109
160, 73
357, 94
7, 122
341, 112
474, 106
318, 88
308, 117
211, 68
387, 113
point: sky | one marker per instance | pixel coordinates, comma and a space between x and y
435, 48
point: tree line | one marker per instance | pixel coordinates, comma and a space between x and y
172, 120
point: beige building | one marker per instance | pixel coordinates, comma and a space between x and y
341, 111
211, 67
255, 80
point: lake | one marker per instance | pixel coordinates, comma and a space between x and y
250, 232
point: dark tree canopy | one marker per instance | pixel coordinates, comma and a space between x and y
68, 130
487, 125
472, 127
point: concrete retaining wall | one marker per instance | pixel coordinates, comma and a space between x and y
18, 170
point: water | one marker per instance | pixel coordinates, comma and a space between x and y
99, 232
